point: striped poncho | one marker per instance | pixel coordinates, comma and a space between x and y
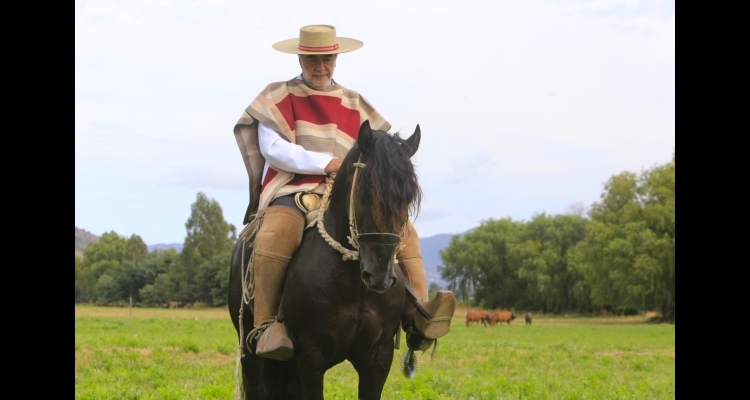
324, 121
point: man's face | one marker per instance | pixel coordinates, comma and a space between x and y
318, 69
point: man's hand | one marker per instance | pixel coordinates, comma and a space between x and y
333, 166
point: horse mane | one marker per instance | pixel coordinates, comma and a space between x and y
387, 185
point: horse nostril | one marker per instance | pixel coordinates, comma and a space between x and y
393, 282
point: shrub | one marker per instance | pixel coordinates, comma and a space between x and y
623, 310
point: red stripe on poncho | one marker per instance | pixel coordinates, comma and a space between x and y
320, 110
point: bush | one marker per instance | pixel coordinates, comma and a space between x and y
622, 310
106, 289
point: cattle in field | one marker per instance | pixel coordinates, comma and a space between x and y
478, 316
528, 318
501, 316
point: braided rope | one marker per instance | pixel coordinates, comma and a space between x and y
240, 353
248, 293
346, 253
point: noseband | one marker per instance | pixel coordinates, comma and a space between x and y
378, 239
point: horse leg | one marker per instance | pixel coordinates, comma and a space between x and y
252, 377
373, 375
282, 380
371, 382
311, 369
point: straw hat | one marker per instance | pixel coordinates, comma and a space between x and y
318, 39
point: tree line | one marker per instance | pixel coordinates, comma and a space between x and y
620, 257
118, 268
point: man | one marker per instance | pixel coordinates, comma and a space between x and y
291, 136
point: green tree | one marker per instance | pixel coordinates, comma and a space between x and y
136, 252
208, 235
480, 266
213, 280
79, 263
522, 265
158, 293
628, 255
158, 262
106, 289
136, 249
544, 252
99, 258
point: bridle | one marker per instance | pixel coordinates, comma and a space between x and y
379, 239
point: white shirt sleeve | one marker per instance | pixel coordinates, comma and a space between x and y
290, 157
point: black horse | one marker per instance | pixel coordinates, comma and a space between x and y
337, 309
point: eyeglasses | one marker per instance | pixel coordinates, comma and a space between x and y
327, 59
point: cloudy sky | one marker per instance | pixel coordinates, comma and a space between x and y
524, 106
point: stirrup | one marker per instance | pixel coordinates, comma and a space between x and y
251, 341
417, 342
271, 340
433, 318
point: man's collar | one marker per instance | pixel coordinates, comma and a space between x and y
302, 76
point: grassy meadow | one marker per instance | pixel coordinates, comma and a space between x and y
191, 354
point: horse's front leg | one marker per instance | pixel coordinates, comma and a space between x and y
373, 373
311, 368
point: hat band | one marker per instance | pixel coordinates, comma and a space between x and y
318, 48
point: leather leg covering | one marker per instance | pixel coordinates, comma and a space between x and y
278, 238
411, 264
432, 318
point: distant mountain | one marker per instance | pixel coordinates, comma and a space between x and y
83, 238
163, 246
431, 247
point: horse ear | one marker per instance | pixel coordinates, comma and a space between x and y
413, 140
364, 138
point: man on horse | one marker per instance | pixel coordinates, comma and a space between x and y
291, 136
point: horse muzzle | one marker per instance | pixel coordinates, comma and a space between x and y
376, 255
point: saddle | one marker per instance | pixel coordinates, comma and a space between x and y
309, 204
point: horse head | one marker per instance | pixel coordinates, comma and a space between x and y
384, 191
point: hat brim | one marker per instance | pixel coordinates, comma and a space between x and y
291, 46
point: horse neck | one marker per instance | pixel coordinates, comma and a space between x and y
336, 219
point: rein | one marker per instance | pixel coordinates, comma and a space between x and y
355, 235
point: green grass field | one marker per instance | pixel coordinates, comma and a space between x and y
191, 354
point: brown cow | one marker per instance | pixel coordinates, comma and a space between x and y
477, 316
502, 316
528, 318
